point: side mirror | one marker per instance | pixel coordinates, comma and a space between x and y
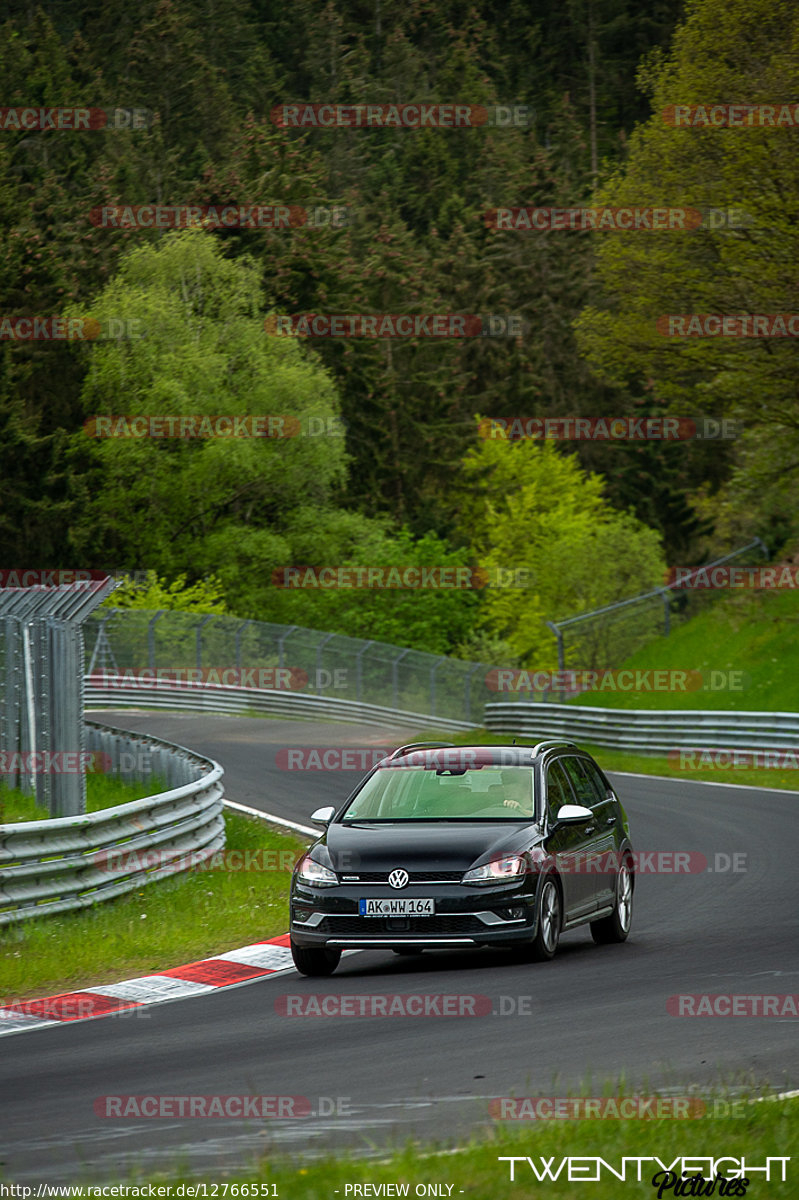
573, 814
323, 816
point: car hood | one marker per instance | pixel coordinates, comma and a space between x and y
423, 845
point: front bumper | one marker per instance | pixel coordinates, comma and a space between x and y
464, 916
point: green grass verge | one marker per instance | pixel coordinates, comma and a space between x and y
102, 791
755, 633
611, 759
188, 916
762, 1130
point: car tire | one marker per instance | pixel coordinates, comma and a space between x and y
315, 960
549, 917
616, 926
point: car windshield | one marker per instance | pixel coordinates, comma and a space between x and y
415, 793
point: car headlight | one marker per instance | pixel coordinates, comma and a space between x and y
310, 871
498, 870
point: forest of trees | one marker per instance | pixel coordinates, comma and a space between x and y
397, 472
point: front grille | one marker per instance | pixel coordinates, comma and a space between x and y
415, 877
420, 925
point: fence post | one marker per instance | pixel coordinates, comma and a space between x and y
239, 632
281, 642
395, 675
198, 636
359, 668
151, 638
476, 667
433, 670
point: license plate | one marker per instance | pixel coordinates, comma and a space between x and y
390, 907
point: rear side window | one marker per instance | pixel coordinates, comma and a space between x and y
600, 787
588, 792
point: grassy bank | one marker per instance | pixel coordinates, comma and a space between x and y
753, 633
102, 791
473, 1169
192, 915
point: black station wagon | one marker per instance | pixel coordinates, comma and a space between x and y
466, 846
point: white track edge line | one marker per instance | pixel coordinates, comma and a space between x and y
752, 787
265, 816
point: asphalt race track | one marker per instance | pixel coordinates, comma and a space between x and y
585, 1017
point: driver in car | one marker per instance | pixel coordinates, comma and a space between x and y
518, 793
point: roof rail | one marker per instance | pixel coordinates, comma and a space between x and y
417, 746
550, 745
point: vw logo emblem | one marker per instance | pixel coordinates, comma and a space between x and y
398, 879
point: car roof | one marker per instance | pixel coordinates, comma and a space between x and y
435, 755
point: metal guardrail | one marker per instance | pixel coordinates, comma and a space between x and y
120, 692
68, 863
41, 679
647, 731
